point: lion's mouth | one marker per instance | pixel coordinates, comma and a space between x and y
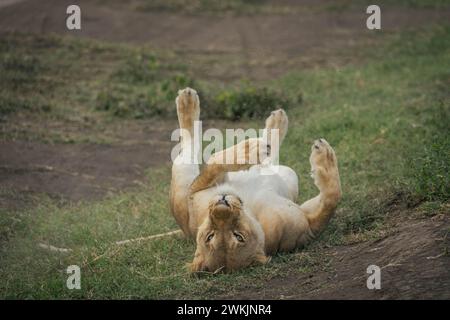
222, 202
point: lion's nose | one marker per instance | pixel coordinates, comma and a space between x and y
223, 200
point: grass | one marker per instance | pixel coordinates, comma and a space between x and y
246, 7
247, 102
381, 119
387, 120
212, 6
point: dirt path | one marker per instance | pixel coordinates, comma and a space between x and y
77, 172
412, 260
264, 46
88, 171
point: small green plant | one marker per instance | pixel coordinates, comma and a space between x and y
154, 99
10, 103
196, 6
19, 71
124, 103
169, 87
248, 103
139, 68
19, 74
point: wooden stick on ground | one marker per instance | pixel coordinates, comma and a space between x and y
53, 248
161, 235
155, 236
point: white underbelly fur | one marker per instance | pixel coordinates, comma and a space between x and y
256, 183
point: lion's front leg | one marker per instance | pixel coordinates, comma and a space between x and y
324, 170
244, 154
274, 133
238, 157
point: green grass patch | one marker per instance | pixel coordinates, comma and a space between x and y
385, 4
247, 103
22, 81
202, 6
246, 7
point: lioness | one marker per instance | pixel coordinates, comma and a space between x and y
237, 215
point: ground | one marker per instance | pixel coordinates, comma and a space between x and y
78, 167
412, 268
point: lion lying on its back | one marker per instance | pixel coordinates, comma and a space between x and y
237, 215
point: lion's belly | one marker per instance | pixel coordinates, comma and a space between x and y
252, 183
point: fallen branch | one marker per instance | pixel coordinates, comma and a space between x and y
156, 236
53, 248
104, 254
392, 265
161, 235
436, 257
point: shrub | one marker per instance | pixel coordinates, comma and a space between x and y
248, 103
139, 68
10, 102
122, 102
19, 71
155, 99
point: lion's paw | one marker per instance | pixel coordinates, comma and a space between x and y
323, 162
188, 107
278, 120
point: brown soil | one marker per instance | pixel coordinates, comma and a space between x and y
260, 46
79, 172
87, 171
413, 258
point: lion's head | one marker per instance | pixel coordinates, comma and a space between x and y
229, 238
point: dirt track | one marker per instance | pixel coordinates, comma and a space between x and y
79, 172
412, 267
263, 46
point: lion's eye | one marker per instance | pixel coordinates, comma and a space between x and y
209, 237
238, 237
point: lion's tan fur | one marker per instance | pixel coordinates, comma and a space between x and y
237, 215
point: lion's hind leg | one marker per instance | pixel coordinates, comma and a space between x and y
185, 167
